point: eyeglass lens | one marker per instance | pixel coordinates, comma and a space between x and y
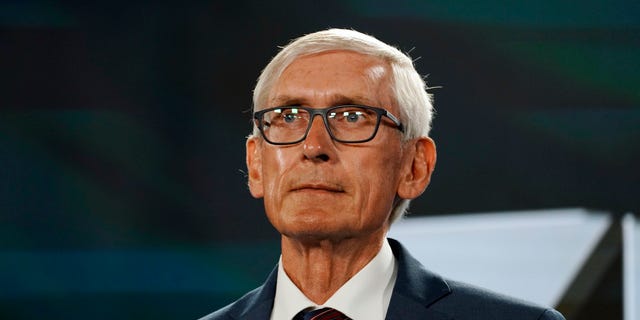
345, 123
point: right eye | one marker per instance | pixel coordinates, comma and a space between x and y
289, 117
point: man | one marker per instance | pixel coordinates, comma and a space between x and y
340, 146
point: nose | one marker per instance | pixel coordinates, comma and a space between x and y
318, 146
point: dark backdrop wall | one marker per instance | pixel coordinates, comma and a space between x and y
122, 125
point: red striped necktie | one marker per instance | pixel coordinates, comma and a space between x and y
321, 314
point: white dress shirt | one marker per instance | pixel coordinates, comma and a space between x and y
365, 296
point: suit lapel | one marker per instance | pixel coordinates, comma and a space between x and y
416, 288
258, 304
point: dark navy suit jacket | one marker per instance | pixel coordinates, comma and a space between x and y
417, 294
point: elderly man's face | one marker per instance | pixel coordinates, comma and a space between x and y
320, 188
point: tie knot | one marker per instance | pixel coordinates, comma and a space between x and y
321, 314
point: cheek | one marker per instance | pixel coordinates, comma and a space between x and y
274, 166
378, 178
279, 157
275, 159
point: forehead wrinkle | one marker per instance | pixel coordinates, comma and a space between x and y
375, 77
333, 98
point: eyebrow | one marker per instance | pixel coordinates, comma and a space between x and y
336, 99
285, 100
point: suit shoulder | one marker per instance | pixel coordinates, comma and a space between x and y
471, 302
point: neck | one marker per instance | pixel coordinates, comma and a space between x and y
320, 267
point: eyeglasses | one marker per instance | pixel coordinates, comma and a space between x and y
345, 123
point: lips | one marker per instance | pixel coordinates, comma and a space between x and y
330, 187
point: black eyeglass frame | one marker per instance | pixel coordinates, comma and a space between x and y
258, 118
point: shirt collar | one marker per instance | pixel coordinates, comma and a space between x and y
365, 296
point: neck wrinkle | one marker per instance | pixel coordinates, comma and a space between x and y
320, 268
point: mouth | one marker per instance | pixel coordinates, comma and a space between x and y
334, 188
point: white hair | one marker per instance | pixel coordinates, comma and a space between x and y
408, 87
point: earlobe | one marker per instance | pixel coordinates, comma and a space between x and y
418, 168
254, 167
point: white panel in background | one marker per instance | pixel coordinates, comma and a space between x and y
631, 267
533, 255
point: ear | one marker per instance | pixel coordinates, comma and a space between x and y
254, 167
418, 167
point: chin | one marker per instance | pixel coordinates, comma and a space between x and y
316, 229
319, 235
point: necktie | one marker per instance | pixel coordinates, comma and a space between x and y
321, 314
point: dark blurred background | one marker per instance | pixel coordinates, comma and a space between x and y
122, 128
